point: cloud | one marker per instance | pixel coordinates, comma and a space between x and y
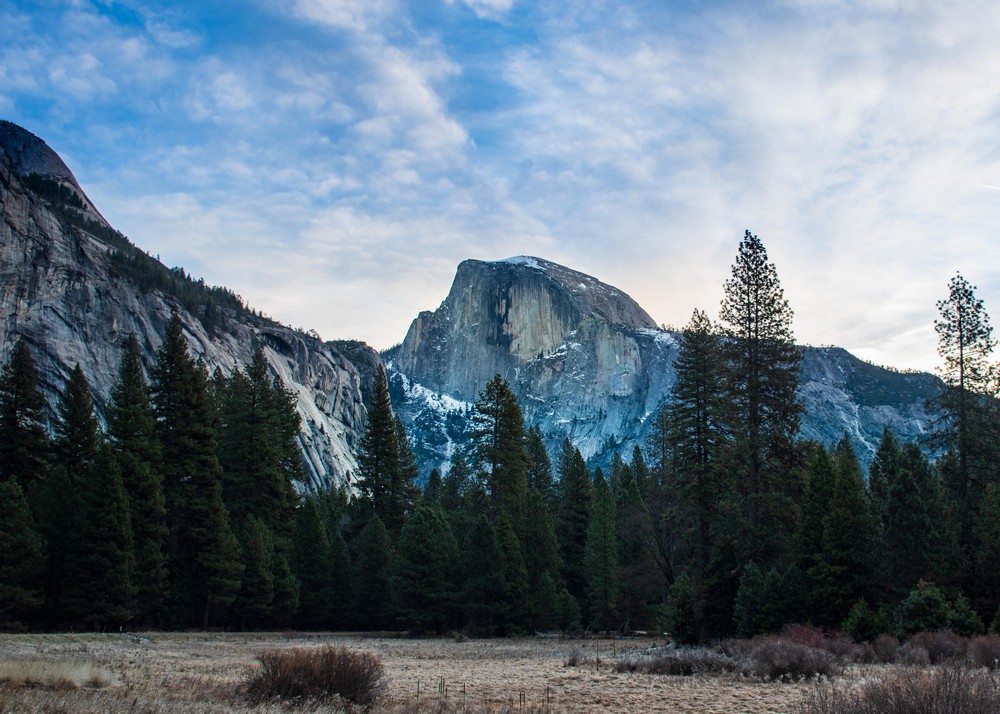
314, 153
487, 9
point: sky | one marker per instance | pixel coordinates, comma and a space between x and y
333, 161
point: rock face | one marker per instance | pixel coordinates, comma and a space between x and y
66, 290
588, 363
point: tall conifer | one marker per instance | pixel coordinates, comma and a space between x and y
763, 367
24, 444
132, 434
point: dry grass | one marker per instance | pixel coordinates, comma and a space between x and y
201, 673
943, 690
66, 674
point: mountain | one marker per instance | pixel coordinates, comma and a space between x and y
74, 289
588, 363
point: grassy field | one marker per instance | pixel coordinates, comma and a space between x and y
202, 673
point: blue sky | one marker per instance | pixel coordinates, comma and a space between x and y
334, 160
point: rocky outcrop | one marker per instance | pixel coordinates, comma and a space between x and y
64, 290
588, 363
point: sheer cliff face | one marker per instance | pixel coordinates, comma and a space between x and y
586, 362
583, 358
58, 291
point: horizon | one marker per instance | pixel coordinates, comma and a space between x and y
334, 161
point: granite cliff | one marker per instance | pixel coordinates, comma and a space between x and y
588, 363
74, 289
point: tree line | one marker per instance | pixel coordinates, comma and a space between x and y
184, 511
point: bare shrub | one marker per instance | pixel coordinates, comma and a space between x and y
836, 643
984, 651
777, 658
912, 654
682, 662
945, 690
575, 658
885, 648
323, 674
942, 646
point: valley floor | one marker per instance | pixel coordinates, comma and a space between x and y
200, 673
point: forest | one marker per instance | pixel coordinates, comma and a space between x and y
184, 511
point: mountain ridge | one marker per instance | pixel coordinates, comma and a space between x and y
74, 288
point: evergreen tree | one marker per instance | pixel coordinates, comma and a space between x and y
22, 559
24, 443
846, 564
750, 608
986, 530
60, 515
76, 428
131, 432
498, 443
542, 562
371, 556
640, 580
763, 379
697, 432
343, 580
965, 343
601, 558
482, 573
423, 571
313, 567
258, 426
539, 465
576, 494
100, 571
514, 610
405, 491
379, 465
203, 554
256, 596
919, 535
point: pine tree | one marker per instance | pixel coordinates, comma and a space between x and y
22, 559
313, 567
379, 478
371, 557
986, 530
542, 562
24, 444
641, 581
59, 511
482, 593
498, 443
749, 610
514, 611
965, 344
846, 564
696, 431
258, 426
539, 465
423, 571
919, 528
576, 494
100, 571
601, 558
76, 428
763, 379
203, 553
256, 596
131, 433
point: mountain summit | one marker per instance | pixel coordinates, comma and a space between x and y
589, 364
74, 289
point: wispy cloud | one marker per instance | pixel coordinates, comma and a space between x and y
333, 160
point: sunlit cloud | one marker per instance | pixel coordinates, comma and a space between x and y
334, 160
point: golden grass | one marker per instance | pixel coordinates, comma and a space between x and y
203, 674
